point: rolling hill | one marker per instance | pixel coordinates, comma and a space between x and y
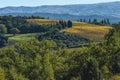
90, 31
86, 30
102, 10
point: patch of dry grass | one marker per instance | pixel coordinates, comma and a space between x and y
42, 21
90, 31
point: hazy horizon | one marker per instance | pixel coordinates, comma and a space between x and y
16, 3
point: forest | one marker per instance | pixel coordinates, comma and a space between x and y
56, 55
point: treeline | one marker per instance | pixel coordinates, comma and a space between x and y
18, 24
95, 21
44, 60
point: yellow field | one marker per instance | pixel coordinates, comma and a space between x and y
90, 31
81, 24
42, 21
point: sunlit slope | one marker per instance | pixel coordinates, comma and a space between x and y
90, 31
42, 21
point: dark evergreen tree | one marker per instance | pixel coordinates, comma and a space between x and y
84, 20
104, 22
69, 23
3, 41
108, 22
89, 20
81, 20
94, 21
116, 63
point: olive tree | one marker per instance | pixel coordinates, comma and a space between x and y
3, 29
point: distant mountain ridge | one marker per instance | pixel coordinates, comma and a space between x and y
111, 9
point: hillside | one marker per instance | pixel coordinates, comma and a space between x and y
90, 31
55, 16
34, 48
42, 21
79, 9
101, 10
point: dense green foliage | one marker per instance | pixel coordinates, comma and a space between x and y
69, 24
14, 31
21, 24
3, 29
44, 59
64, 39
3, 41
113, 43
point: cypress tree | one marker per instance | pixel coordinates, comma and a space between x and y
69, 23
108, 22
89, 20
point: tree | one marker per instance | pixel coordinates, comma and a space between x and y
108, 22
89, 20
3, 41
48, 72
113, 47
84, 20
63, 24
69, 23
14, 31
81, 20
105, 22
115, 68
90, 70
95, 21
3, 29
2, 74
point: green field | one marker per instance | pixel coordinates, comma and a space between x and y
22, 37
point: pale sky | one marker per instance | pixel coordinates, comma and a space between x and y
5, 3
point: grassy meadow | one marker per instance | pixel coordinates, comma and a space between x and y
22, 37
